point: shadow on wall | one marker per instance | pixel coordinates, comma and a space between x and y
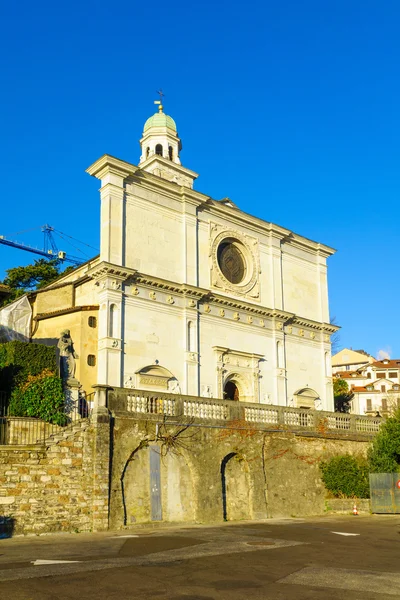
7, 526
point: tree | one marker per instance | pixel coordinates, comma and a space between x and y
32, 277
342, 395
335, 338
384, 453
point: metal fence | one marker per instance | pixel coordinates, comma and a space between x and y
142, 402
3, 404
23, 431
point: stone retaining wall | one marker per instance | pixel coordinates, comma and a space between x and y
345, 505
60, 486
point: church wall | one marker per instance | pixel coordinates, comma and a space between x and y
153, 332
86, 294
54, 299
305, 367
84, 339
154, 235
301, 287
242, 338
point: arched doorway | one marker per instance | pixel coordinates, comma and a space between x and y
231, 391
236, 502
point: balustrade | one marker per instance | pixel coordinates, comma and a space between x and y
212, 409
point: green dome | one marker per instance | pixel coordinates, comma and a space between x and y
160, 119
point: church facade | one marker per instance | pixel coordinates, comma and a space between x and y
197, 297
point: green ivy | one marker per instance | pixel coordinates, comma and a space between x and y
384, 453
18, 360
346, 476
42, 398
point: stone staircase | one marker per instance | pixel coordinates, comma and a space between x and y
65, 432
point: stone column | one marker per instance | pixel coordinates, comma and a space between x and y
101, 430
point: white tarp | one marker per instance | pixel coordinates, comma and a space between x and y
15, 321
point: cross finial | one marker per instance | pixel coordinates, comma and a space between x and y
159, 102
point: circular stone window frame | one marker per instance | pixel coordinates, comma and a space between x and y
250, 260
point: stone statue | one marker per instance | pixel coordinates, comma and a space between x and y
67, 356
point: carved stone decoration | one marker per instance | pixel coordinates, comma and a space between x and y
250, 319
173, 386
206, 391
152, 296
234, 261
327, 338
67, 357
170, 300
236, 316
129, 382
301, 332
279, 326
289, 329
135, 291
242, 368
191, 303
222, 312
262, 323
207, 308
312, 335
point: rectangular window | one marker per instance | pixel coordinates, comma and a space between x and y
384, 404
393, 375
369, 404
383, 388
380, 375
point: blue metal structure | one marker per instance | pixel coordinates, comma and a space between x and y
50, 249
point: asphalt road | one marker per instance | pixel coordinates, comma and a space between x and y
300, 559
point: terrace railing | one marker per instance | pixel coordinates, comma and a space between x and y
146, 403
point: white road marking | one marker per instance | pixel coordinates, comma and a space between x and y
342, 533
52, 562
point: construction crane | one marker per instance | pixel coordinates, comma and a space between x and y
50, 249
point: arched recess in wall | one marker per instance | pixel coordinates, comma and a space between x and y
306, 398
159, 149
327, 364
191, 341
113, 320
179, 488
157, 377
235, 488
279, 355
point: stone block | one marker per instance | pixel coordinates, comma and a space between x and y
6, 500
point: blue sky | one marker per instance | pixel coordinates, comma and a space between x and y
289, 108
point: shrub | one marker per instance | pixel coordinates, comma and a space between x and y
346, 476
18, 360
384, 453
42, 397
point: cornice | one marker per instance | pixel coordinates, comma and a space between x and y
155, 158
65, 311
107, 163
256, 224
106, 269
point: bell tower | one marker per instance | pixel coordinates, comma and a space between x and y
161, 146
